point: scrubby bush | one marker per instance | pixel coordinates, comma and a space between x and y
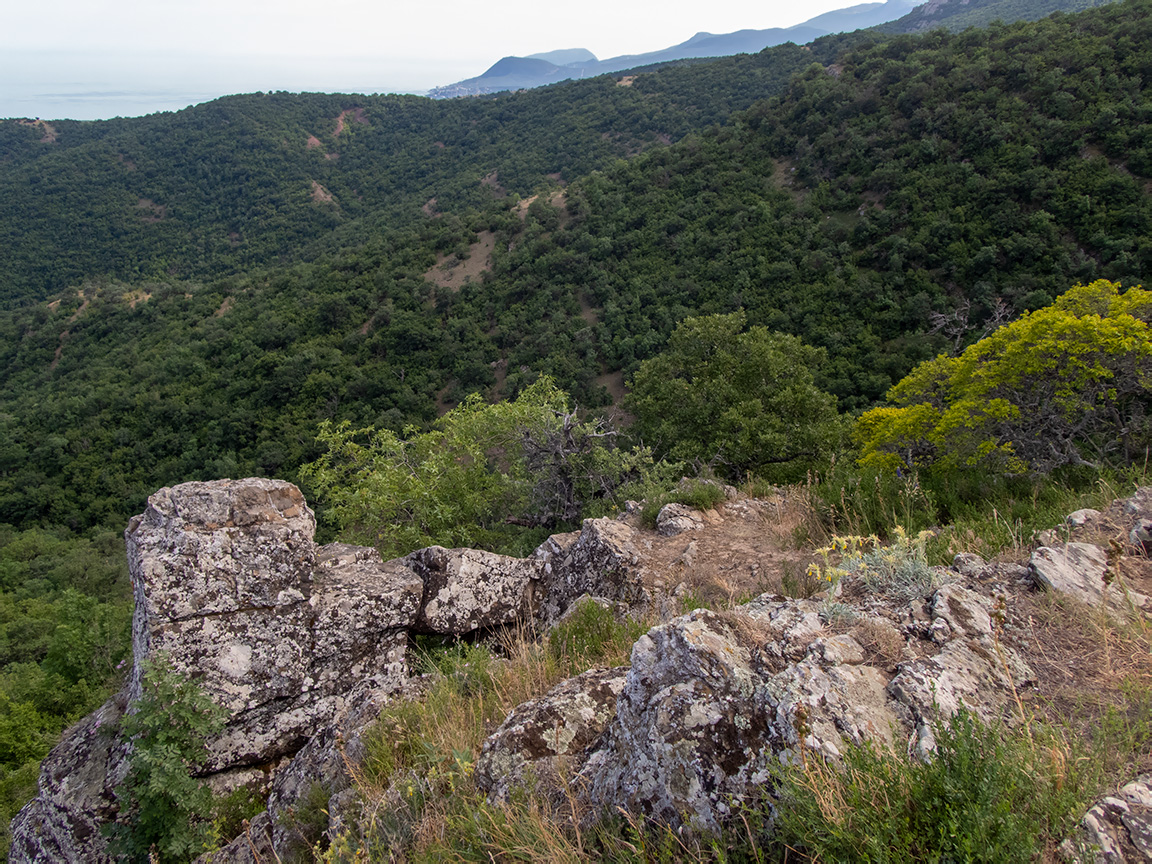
165, 813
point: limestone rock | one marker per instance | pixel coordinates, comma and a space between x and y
1078, 569
708, 709
1117, 829
542, 740
675, 519
601, 560
230, 587
968, 563
76, 794
965, 611
1080, 518
466, 589
965, 674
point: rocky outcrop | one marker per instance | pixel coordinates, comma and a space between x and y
232, 590
304, 646
301, 644
543, 742
601, 561
711, 705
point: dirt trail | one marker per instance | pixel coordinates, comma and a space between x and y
85, 302
743, 548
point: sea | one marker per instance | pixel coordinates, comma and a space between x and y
77, 86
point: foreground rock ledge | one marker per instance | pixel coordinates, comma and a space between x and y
295, 640
304, 645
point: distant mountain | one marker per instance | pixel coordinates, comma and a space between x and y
957, 15
536, 70
565, 56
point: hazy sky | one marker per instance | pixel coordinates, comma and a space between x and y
61, 58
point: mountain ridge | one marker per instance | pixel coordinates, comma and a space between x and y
507, 75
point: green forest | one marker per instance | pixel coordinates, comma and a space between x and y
191, 295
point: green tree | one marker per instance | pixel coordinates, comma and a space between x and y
481, 468
740, 401
1069, 384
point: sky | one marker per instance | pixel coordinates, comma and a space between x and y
93, 59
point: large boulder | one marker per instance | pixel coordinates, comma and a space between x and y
601, 561
232, 590
467, 589
710, 706
544, 740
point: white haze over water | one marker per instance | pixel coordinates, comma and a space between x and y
80, 86
95, 59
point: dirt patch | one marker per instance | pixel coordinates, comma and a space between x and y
312, 143
128, 164
139, 295
320, 195
743, 549
451, 272
47, 133
613, 382
522, 207
357, 115
626, 81
429, 208
85, 302
223, 308
331, 157
492, 181
785, 176
151, 211
54, 305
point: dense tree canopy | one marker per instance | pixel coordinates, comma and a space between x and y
738, 401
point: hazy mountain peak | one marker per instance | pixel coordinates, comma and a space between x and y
565, 56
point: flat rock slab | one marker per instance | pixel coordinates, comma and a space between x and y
1078, 570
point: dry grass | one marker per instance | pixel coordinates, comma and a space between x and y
1093, 678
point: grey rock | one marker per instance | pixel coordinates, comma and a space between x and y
965, 611
75, 795
601, 560
1140, 504
1078, 569
675, 519
965, 674
543, 740
1141, 536
1080, 518
968, 563
707, 710
467, 589
1117, 829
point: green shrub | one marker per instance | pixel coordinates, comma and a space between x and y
165, 813
985, 796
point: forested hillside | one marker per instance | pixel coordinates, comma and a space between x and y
187, 296
265, 179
